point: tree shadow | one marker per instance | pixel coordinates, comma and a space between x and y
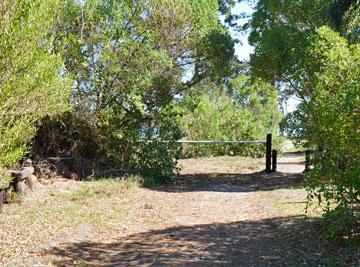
233, 182
286, 241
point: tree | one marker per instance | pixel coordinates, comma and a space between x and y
305, 46
332, 121
281, 33
128, 59
32, 77
350, 22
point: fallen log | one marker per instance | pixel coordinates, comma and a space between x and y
20, 177
3, 185
23, 173
31, 181
20, 187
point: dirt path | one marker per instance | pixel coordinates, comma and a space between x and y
221, 212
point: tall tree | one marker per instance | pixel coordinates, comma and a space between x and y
281, 33
129, 59
137, 50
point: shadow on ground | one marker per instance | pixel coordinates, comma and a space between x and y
291, 241
232, 182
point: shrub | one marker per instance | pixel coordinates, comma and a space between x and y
329, 120
32, 83
244, 111
155, 157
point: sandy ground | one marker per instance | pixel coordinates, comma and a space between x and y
220, 212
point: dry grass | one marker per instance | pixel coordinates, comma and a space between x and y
224, 164
221, 211
69, 210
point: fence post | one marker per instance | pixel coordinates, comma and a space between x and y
274, 160
307, 160
268, 153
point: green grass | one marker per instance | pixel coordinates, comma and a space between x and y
104, 188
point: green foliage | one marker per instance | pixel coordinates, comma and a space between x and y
281, 32
340, 10
329, 121
244, 111
294, 49
350, 22
32, 83
341, 222
151, 157
128, 59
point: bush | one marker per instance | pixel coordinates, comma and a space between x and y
32, 85
127, 69
341, 222
329, 120
244, 111
155, 157
138, 149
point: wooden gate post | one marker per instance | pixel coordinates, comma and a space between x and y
307, 160
268, 153
274, 161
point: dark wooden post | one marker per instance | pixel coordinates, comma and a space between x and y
274, 160
307, 160
268, 153
1, 200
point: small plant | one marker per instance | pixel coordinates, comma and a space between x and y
341, 223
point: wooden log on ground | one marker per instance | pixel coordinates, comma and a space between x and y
20, 187
31, 182
4, 184
20, 178
25, 173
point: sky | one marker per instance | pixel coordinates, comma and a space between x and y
244, 49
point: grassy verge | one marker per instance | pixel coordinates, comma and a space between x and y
98, 207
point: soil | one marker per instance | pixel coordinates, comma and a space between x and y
220, 212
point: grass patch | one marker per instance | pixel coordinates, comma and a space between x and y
294, 208
103, 187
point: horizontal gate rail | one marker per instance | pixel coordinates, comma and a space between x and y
220, 142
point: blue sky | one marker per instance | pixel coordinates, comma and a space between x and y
243, 49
